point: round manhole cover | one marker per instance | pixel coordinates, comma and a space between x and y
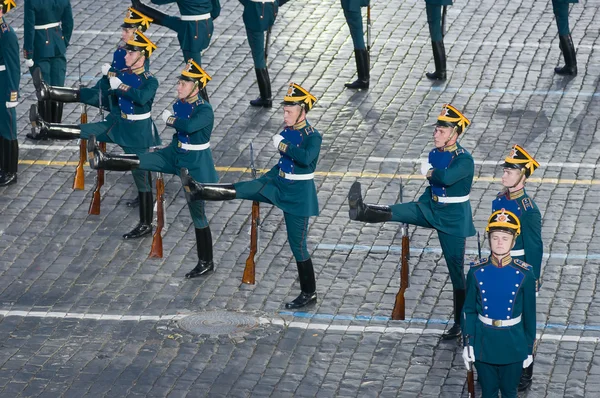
218, 323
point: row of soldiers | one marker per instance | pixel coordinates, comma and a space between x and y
127, 90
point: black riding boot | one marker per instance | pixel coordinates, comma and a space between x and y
145, 225
526, 378
264, 87
439, 58
197, 191
362, 70
364, 212
57, 111
10, 162
459, 301
153, 13
308, 286
205, 253
568, 50
104, 161
45, 92
40, 129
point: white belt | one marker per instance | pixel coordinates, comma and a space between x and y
195, 17
499, 323
516, 253
296, 177
2, 67
450, 199
12, 104
142, 116
192, 147
263, 1
47, 26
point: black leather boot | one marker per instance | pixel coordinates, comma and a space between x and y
104, 161
568, 50
455, 331
205, 253
360, 211
153, 13
145, 226
45, 92
40, 129
197, 191
526, 378
264, 87
308, 286
362, 70
10, 162
439, 58
57, 111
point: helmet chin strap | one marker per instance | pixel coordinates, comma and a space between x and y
300, 115
196, 85
521, 178
450, 138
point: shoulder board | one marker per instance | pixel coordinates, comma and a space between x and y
480, 262
522, 264
527, 204
200, 101
148, 75
309, 130
4, 27
459, 151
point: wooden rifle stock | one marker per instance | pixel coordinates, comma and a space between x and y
471, 382
250, 269
399, 311
95, 204
79, 180
157, 246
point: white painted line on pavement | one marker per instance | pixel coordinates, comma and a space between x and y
418, 161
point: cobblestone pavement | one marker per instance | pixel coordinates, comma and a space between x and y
85, 313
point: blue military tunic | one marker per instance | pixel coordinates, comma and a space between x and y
10, 77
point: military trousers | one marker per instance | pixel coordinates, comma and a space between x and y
163, 161
499, 378
256, 40
561, 12
193, 36
8, 122
296, 226
355, 24
142, 178
53, 69
434, 20
453, 247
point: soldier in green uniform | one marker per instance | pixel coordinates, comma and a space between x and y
434, 20
444, 206
561, 12
193, 120
518, 167
10, 76
47, 29
288, 185
132, 91
258, 18
354, 20
499, 312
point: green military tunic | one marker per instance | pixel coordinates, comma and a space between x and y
258, 18
354, 20
10, 77
498, 292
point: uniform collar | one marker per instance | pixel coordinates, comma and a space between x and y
450, 148
515, 194
504, 262
299, 125
139, 70
191, 100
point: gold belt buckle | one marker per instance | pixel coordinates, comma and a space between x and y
497, 323
281, 173
123, 115
434, 197
179, 144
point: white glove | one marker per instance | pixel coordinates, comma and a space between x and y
276, 140
115, 82
468, 356
29, 63
12, 104
166, 115
425, 167
528, 361
105, 69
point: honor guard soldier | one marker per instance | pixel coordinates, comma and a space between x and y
132, 91
10, 76
436, 25
354, 20
561, 12
444, 206
288, 185
193, 120
518, 167
259, 17
499, 312
47, 29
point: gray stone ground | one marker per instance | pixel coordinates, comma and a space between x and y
88, 314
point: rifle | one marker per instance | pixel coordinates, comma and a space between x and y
369, 28
157, 246
470, 376
79, 180
267, 39
444, 11
398, 313
95, 204
478, 245
250, 269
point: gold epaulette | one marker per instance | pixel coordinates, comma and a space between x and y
522, 264
480, 262
148, 74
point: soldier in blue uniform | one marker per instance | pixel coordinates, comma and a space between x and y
288, 185
47, 29
518, 167
434, 20
132, 91
10, 76
258, 18
193, 120
444, 206
354, 20
499, 312
561, 12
